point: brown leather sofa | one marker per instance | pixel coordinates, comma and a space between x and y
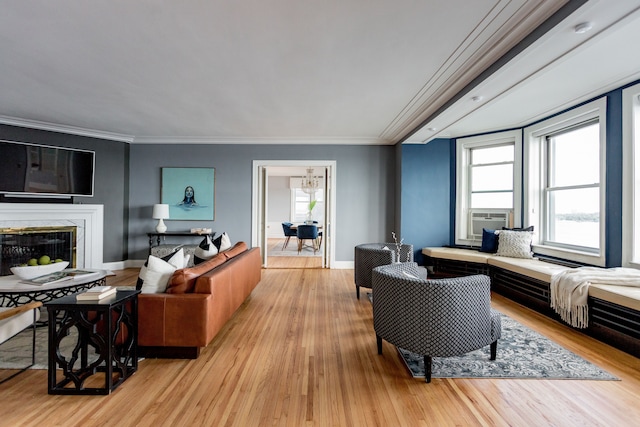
197, 304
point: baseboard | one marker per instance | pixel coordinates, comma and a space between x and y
343, 265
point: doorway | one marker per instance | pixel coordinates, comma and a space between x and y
277, 197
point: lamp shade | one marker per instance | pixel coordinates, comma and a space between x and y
160, 211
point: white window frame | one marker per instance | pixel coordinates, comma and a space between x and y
535, 176
630, 177
463, 151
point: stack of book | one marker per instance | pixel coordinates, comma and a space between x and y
96, 293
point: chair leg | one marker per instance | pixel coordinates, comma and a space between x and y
427, 369
379, 342
494, 350
286, 242
358, 291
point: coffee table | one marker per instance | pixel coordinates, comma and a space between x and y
14, 292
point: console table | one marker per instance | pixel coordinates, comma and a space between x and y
109, 326
156, 237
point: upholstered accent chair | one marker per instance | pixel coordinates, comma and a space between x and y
434, 318
14, 320
288, 233
370, 255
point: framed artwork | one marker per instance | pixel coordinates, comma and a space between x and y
189, 192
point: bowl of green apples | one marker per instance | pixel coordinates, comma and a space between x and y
37, 267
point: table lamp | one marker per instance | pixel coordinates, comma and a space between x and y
160, 212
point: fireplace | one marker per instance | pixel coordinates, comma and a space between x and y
19, 246
81, 225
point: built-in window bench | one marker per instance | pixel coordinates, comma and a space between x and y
614, 311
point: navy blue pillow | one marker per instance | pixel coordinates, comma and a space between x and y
489, 241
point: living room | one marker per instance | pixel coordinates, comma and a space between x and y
382, 185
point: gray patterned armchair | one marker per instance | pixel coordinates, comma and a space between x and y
370, 255
435, 318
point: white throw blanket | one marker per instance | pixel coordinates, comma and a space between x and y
570, 289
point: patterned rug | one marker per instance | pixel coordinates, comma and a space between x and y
522, 353
16, 353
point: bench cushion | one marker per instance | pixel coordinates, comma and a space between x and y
626, 296
457, 254
533, 268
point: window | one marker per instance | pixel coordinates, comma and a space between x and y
488, 183
565, 184
301, 202
491, 177
571, 200
631, 177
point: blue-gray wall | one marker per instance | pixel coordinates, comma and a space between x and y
364, 191
425, 194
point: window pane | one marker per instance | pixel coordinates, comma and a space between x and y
575, 157
503, 153
497, 177
492, 200
574, 217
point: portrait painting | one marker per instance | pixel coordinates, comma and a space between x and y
189, 192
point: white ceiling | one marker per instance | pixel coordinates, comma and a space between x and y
295, 71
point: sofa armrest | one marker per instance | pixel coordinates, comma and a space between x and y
173, 320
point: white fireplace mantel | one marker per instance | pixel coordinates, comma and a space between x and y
87, 218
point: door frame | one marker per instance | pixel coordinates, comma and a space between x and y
258, 204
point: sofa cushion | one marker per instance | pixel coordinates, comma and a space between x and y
155, 275
236, 250
515, 244
183, 280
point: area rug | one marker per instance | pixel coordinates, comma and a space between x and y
292, 250
522, 353
16, 353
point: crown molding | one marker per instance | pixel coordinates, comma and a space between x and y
73, 130
261, 141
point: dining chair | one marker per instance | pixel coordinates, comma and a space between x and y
288, 233
308, 232
14, 320
319, 236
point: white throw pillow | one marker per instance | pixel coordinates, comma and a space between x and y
155, 275
515, 244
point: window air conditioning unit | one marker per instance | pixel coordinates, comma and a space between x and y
491, 220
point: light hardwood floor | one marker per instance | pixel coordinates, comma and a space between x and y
302, 351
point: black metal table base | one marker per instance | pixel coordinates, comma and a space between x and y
105, 348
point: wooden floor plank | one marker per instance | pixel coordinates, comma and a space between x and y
301, 351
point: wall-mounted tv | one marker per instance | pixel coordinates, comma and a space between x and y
38, 170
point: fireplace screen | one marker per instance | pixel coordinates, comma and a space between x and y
19, 245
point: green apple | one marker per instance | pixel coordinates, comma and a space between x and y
44, 260
32, 262
58, 260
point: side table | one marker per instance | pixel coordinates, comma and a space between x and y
109, 327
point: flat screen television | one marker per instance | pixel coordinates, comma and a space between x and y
33, 170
